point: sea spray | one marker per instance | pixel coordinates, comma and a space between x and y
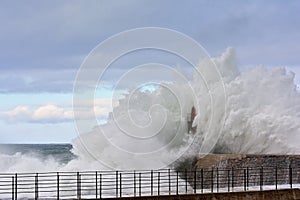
262, 116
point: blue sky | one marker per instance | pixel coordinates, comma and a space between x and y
43, 44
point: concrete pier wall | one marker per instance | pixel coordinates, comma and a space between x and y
288, 194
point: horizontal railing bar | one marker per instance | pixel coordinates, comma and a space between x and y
157, 182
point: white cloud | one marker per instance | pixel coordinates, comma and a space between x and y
51, 113
44, 114
19, 113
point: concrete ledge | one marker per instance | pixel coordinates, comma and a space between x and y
287, 194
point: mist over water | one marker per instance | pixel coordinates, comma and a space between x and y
262, 117
38, 157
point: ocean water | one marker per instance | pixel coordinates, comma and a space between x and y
59, 152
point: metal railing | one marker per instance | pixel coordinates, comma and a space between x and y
104, 184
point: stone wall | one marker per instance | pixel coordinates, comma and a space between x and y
223, 170
253, 195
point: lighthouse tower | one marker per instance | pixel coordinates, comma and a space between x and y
190, 120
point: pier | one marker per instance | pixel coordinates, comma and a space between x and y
184, 184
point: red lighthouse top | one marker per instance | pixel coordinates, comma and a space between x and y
193, 113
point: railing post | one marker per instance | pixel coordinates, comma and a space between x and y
195, 181
245, 181
169, 175
12, 188
228, 180
151, 182
202, 180
100, 186
232, 179
120, 184
291, 176
158, 183
36, 186
247, 177
177, 176
134, 183
16, 186
96, 181
218, 179
117, 189
261, 178
78, 186
57, 185
186, 180
212, 179
140, 184
276, 177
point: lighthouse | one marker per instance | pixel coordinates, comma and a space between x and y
190, 120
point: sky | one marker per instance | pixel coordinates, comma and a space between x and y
43, 44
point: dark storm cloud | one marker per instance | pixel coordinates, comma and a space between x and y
40, 41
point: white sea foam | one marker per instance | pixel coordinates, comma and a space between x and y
27, 163
262, 116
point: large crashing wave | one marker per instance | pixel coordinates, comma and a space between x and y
262, 117
263, 112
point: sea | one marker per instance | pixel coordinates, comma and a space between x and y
60, 152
